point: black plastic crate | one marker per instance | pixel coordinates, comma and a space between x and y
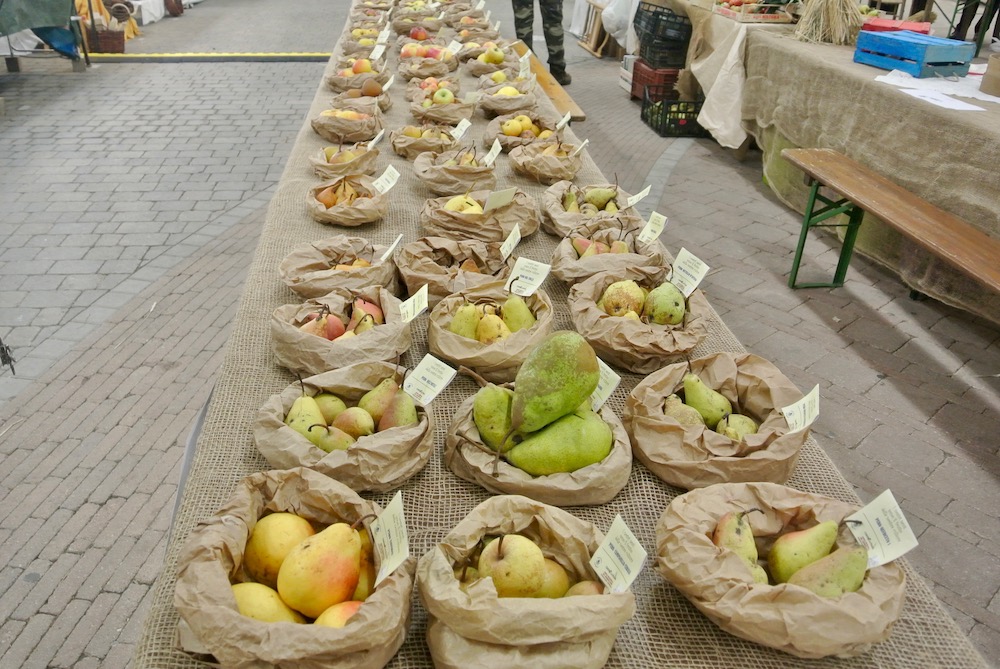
653, 22
660, 53
668, 116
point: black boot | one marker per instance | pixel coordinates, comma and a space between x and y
562, 76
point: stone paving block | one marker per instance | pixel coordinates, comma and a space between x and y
46, 585
11, 598
28, 638
972, 481
904, 486
963, 568
903, 450
60, 628
973, 428
903, 397
71, 651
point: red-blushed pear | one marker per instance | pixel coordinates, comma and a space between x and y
515, 564
338, 614
580, 245
794, 550
400, 412
321, 571
355, 421
377, 400
366, 583
326, 197
367, 307
315, 326
585, 588
257, 601
334, 327
271, 539
618, 246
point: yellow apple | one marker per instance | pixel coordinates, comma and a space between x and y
509, 91
499, 76
511, 128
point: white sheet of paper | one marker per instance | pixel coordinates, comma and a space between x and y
564, 121
499, 198
580, 148
377, 52
637, 198
459, 130
377, 138
389, 83
493, 153
653, 228
688, 271
525, 63
619, 558
389, 538
941, 100
387, 180
881, 527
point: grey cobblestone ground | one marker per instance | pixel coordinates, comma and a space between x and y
92, 434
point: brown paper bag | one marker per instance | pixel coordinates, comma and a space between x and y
351, 48
529, 160
370, 206
471, 49
568, 266
362, 103
559, 222
404, 20
434, 262
411, 147
489, 86
212, 559
449, 114
467, 456
633, 345
339, 130
311, 354
478, 68
378, 462
508, 142
497, 362
421, 68
340, 82
492, 226
310, 269
475, 628
695, 456
493, 104
470, 23
442, 179
414, 92
404, 39
786, 617
363, 162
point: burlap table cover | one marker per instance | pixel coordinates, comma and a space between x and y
666, 631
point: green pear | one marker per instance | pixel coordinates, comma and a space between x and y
303, 414
664, 305
711, 404
794, 550
733, 532
365, 324
491, 329
355, 421
611, 207
621, 297
516, 314
401, 412
619, 246
330, 438
599, 197
558, 374
465, 321
377, 399
570, 204
674, 407
516, 565
841, 571
330, 406
759, 575
570, 443
736, 426
491, 414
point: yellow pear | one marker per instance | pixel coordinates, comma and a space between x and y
321, 571
271, 539
257, 601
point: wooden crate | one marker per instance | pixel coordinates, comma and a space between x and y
913, 53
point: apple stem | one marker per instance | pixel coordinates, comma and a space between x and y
500, 546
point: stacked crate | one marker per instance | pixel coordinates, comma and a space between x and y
663, 44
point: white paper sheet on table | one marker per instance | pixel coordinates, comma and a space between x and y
964, 87
941, 100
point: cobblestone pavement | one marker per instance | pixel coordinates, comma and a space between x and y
131, 199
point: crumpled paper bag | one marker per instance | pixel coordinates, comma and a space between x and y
403, 20
528, 159
339, 130
309, 269
443, 179
411, 147
568, 266
368, 209
475, 628
492, 226
488, 85
362, 103
212, 559
495, 105
478, 68
695, 456
449, 114
311, 354
787, 617
598, 483
497, 362
378, 462
363, 163
339, 83
633, 345
415, 93
508, 142
434, 261
561, 223
421, 68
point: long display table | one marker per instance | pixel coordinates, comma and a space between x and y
666, 630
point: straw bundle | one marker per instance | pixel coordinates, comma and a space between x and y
830, 21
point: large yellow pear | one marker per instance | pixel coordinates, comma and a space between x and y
257, 601
270, 541
321, 571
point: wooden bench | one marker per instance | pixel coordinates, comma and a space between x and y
560, 98
860, 190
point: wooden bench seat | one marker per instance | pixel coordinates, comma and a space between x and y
560, 98
962, 246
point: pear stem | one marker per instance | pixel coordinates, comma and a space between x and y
301, 384
362, 519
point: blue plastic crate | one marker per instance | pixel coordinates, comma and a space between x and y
914, 53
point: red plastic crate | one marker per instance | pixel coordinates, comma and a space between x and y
644, 75
891, 25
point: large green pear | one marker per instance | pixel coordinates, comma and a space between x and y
664, 305
841, 571
491, 414
711, 404
558, 374
516, 314
570, 443
794, 550
465, 322
733, 531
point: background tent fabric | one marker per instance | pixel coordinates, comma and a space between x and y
18, 15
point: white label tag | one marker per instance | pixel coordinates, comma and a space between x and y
637, 198
480, 5
564, 121
619, 558
651, 232
389, 83
580, 148
509, 244
377, 52
688, 271
427, 381
454, 47
499, 198
413, 307
377, 138
489, 13
527, 276
459, 130
496, 27
387, 180
383, 37
473, 97
391, 249
881, 527
494, 152
525, 65
389, 538
606, 385
440, 16
801, 415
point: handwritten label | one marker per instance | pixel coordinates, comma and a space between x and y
427, 381
413, 307
509, 244
492, 155
564, 121
473, 97
653, 228
881, 527
801, 414
389, 83
377, 52
459, 130
377, 138
688, 271
606, 385
619, 558
387, 180
455, 46
528, 275
389, 538
637, 198
580, 148
391, 249
525, 65
499, 198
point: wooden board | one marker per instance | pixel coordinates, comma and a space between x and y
556, 93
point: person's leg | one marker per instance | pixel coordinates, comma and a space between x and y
962, 27
553, 29
524, 19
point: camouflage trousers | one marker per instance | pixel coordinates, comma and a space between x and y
524, 15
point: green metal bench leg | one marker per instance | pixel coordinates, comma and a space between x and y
806, 224
814, 219
853, 225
